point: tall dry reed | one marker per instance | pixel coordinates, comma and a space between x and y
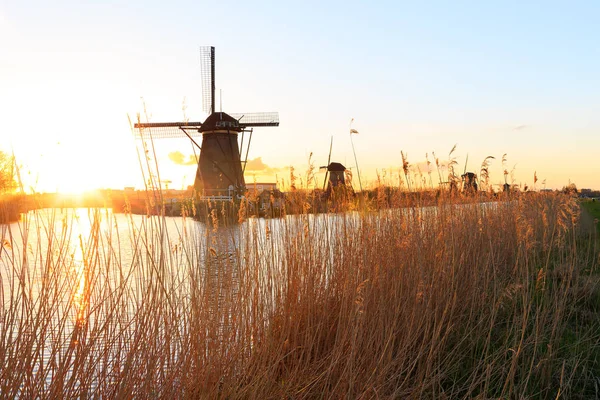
476, 300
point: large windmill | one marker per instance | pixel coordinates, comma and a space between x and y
220, 173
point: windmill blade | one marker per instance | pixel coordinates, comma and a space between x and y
186, 125
207, 71
165, 130
247, 150
257, 119
328, 162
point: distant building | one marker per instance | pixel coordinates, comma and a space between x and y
589, 193
271, 203
259, 187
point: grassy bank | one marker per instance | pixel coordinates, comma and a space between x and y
11, 206
593, 208
497, 300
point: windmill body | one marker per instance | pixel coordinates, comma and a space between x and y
220, 172
336, 175
469, 182
219, 168
336, 181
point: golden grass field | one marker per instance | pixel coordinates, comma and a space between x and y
478, 300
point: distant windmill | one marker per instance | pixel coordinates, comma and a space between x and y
166, 182
220, 172
336, 172
469, 180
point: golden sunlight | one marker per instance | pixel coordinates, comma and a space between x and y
82, 230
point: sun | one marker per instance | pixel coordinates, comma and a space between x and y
71, 168
63, 177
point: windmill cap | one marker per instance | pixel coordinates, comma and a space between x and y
220, 121
336, 166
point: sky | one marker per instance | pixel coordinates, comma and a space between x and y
514, 79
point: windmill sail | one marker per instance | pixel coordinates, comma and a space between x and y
207, 71
166, 130
162, 130
257, 119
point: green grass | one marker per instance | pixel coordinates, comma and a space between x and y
593, 208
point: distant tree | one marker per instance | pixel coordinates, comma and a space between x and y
8, 182
570, 189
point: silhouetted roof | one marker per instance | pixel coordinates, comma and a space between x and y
336, 166
220, 121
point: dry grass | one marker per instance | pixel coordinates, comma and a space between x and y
451, 301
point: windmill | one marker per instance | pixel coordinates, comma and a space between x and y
220, 172
334, 173
469, 180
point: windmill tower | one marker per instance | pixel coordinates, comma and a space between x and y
336, 173
220, 173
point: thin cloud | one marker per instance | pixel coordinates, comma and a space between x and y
257, 166
254, 166
521, 127
179, 158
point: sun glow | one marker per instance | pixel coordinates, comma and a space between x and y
85, 225
71, 167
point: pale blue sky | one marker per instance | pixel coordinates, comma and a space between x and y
416, 77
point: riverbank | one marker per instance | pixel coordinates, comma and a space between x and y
463, 302
592, 206
10, 209
177, 203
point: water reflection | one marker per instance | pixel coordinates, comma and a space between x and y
82, 230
